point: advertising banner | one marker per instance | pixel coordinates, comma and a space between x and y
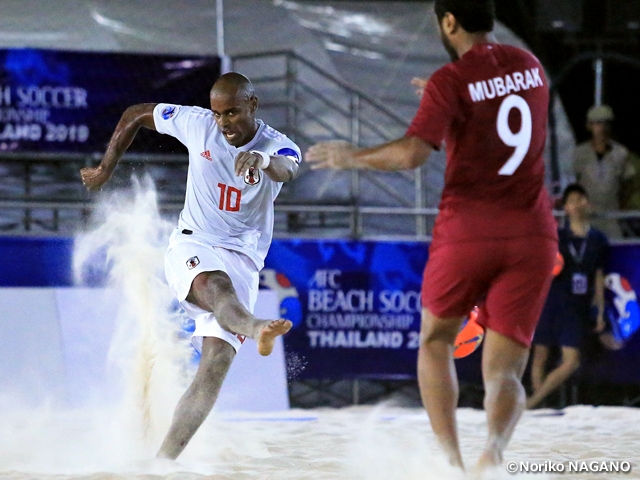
71, 101
59, 345
618, 365
355, 305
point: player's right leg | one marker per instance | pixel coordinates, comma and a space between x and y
198, 400
214, 292
438, 380
455, 278
224, 284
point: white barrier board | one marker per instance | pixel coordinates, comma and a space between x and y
54, 344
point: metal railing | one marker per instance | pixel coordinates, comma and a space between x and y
41, 193
319, 106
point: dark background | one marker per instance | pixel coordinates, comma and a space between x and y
567, 35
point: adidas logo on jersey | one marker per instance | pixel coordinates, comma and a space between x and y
207, 154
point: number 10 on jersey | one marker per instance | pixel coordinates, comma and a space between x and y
229, 198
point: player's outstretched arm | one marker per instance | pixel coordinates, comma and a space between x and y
132, 119
279, 168
402, 154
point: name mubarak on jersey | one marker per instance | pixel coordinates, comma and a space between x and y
501, 86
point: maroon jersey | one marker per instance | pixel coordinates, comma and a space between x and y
490, 108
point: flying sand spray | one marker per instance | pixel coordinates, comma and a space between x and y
146, 350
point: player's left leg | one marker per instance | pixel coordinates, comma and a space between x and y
198, 400
438, 380
510, 313
503, 363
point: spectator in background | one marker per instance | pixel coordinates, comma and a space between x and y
600, 165
630, 195
575, 292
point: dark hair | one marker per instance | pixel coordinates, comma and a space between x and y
573, 188
473, 15
234, 81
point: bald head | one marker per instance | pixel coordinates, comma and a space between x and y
233, 84
234, 105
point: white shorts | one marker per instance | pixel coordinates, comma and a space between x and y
186, 257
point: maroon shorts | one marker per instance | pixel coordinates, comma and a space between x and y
507, 278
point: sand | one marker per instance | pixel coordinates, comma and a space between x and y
372, 442
116, 436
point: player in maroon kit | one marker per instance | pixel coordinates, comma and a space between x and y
495, 239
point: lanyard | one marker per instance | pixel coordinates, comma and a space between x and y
578, 256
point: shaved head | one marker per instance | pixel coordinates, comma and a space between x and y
234, 84
234, 104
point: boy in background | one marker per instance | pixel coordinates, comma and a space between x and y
566, 321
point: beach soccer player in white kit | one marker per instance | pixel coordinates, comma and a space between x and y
237, 165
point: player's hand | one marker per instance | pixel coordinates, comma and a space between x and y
420, 84
94, 178
337, 155
246, 160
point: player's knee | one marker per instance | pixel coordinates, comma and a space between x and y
218, 362
215, 361
217, 282
505, 393
499, 368
437, 334
500, 381
434, 329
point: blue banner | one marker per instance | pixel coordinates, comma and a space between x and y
36, 262
619, 366
71, 101
355, 305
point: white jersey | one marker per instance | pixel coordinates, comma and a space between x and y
222, 209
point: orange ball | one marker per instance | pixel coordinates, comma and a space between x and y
469, 337
558, 264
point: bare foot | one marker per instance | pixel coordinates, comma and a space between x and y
268, 335
488, 459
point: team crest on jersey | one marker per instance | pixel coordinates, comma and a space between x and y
168, 112
253, 176
193, 262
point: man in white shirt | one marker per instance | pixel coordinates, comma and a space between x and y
601, 165
237, 165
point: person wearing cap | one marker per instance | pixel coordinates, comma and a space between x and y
600, 165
